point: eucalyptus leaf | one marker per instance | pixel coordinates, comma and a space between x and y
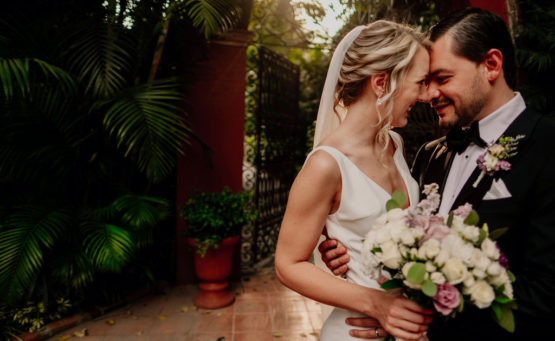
472, 218
391, 204
497, 233
496, 309
429, 288
416, 273
399, 197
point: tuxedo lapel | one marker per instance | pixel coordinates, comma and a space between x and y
522, 125
432, 164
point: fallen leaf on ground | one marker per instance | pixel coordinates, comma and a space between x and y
110, 322
161, 317
84, 332
303, 335
184, 309
278, 334
64, 337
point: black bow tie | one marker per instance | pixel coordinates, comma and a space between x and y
458, 139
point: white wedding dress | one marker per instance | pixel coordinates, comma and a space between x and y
362, 202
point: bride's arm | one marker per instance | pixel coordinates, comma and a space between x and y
310, 201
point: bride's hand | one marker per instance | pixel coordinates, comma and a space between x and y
402, 317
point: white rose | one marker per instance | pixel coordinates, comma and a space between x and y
500, 279
396, 214
397, 229
430, 267
469, 280
490, 161
494, 269
437, 278
418, 232
430, 249
496, 149
390, 254
383, 235
407, 237
442, 257
482, 294
469, 232
490, 249
479, 259
481, 274
381, 220
452, 243
454, 270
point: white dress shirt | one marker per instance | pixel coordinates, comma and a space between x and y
491, 128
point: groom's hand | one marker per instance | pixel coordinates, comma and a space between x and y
374, 329
335, 256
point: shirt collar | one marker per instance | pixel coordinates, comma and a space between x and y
493, 125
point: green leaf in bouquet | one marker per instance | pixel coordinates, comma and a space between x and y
461, 306
376, 250
511, 275
483, 236
496, 309
429, 288
503, 299
416, 273
450, 219
392, 284
504, 316
472, 218
397, 200
495, 234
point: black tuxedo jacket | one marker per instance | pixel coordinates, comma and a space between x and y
529, 243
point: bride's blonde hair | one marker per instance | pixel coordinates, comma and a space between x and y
381, 47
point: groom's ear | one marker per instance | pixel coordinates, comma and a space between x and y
493, 61
378, 83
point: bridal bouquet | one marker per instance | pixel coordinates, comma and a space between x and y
444, 262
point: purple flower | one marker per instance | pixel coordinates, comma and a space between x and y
446, 299
436, 229
503, 261
464, 210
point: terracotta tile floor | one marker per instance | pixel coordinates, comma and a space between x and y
263, 310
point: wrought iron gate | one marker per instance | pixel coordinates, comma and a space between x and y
271, 139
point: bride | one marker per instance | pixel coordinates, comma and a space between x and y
377, 74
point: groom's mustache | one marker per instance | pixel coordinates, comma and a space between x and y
439, 102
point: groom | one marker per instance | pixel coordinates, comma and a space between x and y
472, 76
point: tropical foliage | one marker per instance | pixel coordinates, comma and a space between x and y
91, 124
535, 43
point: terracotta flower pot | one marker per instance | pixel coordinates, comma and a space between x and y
213, 270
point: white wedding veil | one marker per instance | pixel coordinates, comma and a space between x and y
327, 120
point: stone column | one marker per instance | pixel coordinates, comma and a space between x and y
217, 98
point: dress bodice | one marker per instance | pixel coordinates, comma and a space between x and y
362, 202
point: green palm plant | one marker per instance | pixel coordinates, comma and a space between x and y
78, 130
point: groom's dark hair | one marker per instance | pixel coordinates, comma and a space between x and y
474, 32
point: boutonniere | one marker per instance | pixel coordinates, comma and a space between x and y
495, 157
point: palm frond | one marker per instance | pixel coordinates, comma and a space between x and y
140, 212
101, 61
16, 75
211, 16
25, 236
149, 124
108, 246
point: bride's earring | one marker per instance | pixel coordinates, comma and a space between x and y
380, 98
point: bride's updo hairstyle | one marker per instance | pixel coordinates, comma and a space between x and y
381, 47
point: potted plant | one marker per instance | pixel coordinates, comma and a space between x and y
214, 222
